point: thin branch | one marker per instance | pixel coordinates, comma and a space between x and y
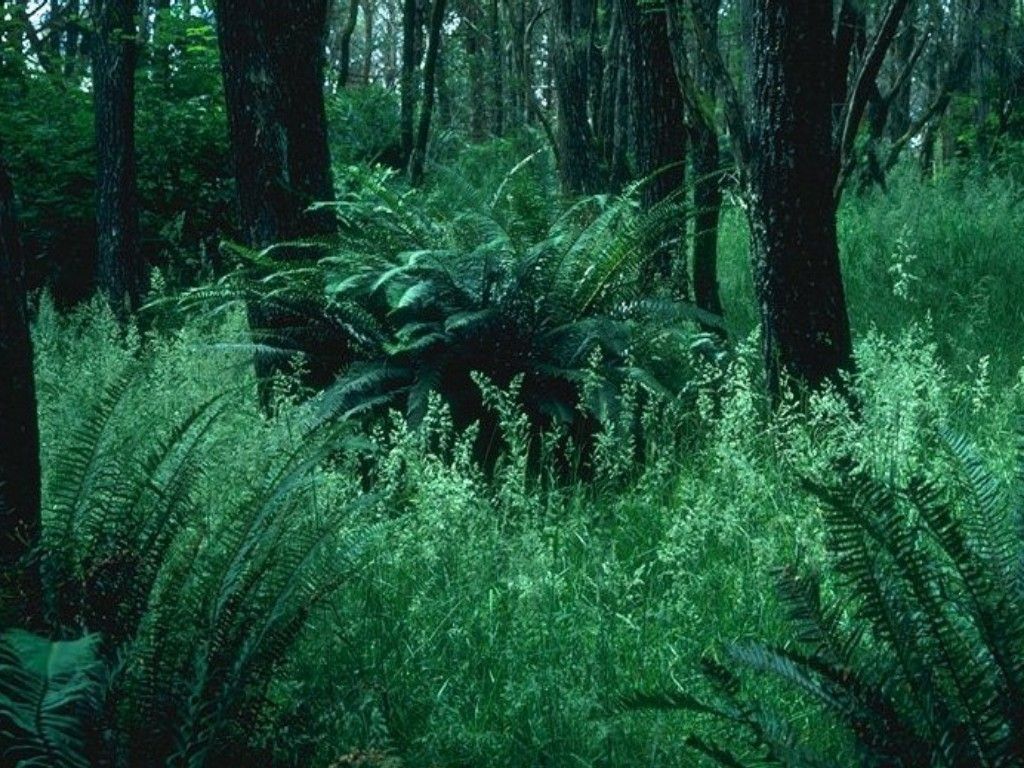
734, 115
866, 80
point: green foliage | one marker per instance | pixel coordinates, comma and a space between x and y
45, 687
423, 298
915, 648
363, 124
184, 176
191, 598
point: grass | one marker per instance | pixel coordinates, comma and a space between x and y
500, 623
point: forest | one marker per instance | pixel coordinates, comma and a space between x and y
519, 383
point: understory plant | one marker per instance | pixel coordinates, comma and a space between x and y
909, 642
413, 298
171, 604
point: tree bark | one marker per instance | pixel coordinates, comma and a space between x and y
792, 213
661, 131
497, 79
474, 44
419, 152
119, 268
579, 171
272, 58
345, 43
299, 30
20, 522
410, 60
707, 189
369, 15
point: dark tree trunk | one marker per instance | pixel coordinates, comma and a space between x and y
410, 60
578, 159
299, 30
273, 62
474, 43
114, 49
369, 14
72, 37
345, 43
19, 447
497, 100
430, 67
899, 109
792, 175
707, 189
661, 131
259, 138
611, 119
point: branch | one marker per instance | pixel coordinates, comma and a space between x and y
908, 70
734, 116
866, 80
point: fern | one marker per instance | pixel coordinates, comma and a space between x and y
924, 663
45, 688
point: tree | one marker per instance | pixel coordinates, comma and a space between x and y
794, 157
411, 33
19, 431
577, 152
272, 58
707, 189
793, 170
419, 149
660, 125
114, 53
345, 43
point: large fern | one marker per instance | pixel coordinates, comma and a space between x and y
188, 611
414, 297
918, 658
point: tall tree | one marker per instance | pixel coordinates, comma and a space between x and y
19, 430
114, 53
299, 37
661, 130
419, 150
793, 171
272, 57
794, 156
411, 26
348, 29
707, 183
577, 152
497, 69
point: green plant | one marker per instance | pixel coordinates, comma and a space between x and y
414, 300
914, 646
45, 689
190, 603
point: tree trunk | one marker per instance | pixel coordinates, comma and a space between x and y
272, 60
792, 175
474, 44
19, 448
661, 131
410, 60
578, 160
299, 29
369, 14
419, 152
497, 100
120, 269
345, 43
707, 191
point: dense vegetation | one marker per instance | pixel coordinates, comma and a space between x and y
447, 452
